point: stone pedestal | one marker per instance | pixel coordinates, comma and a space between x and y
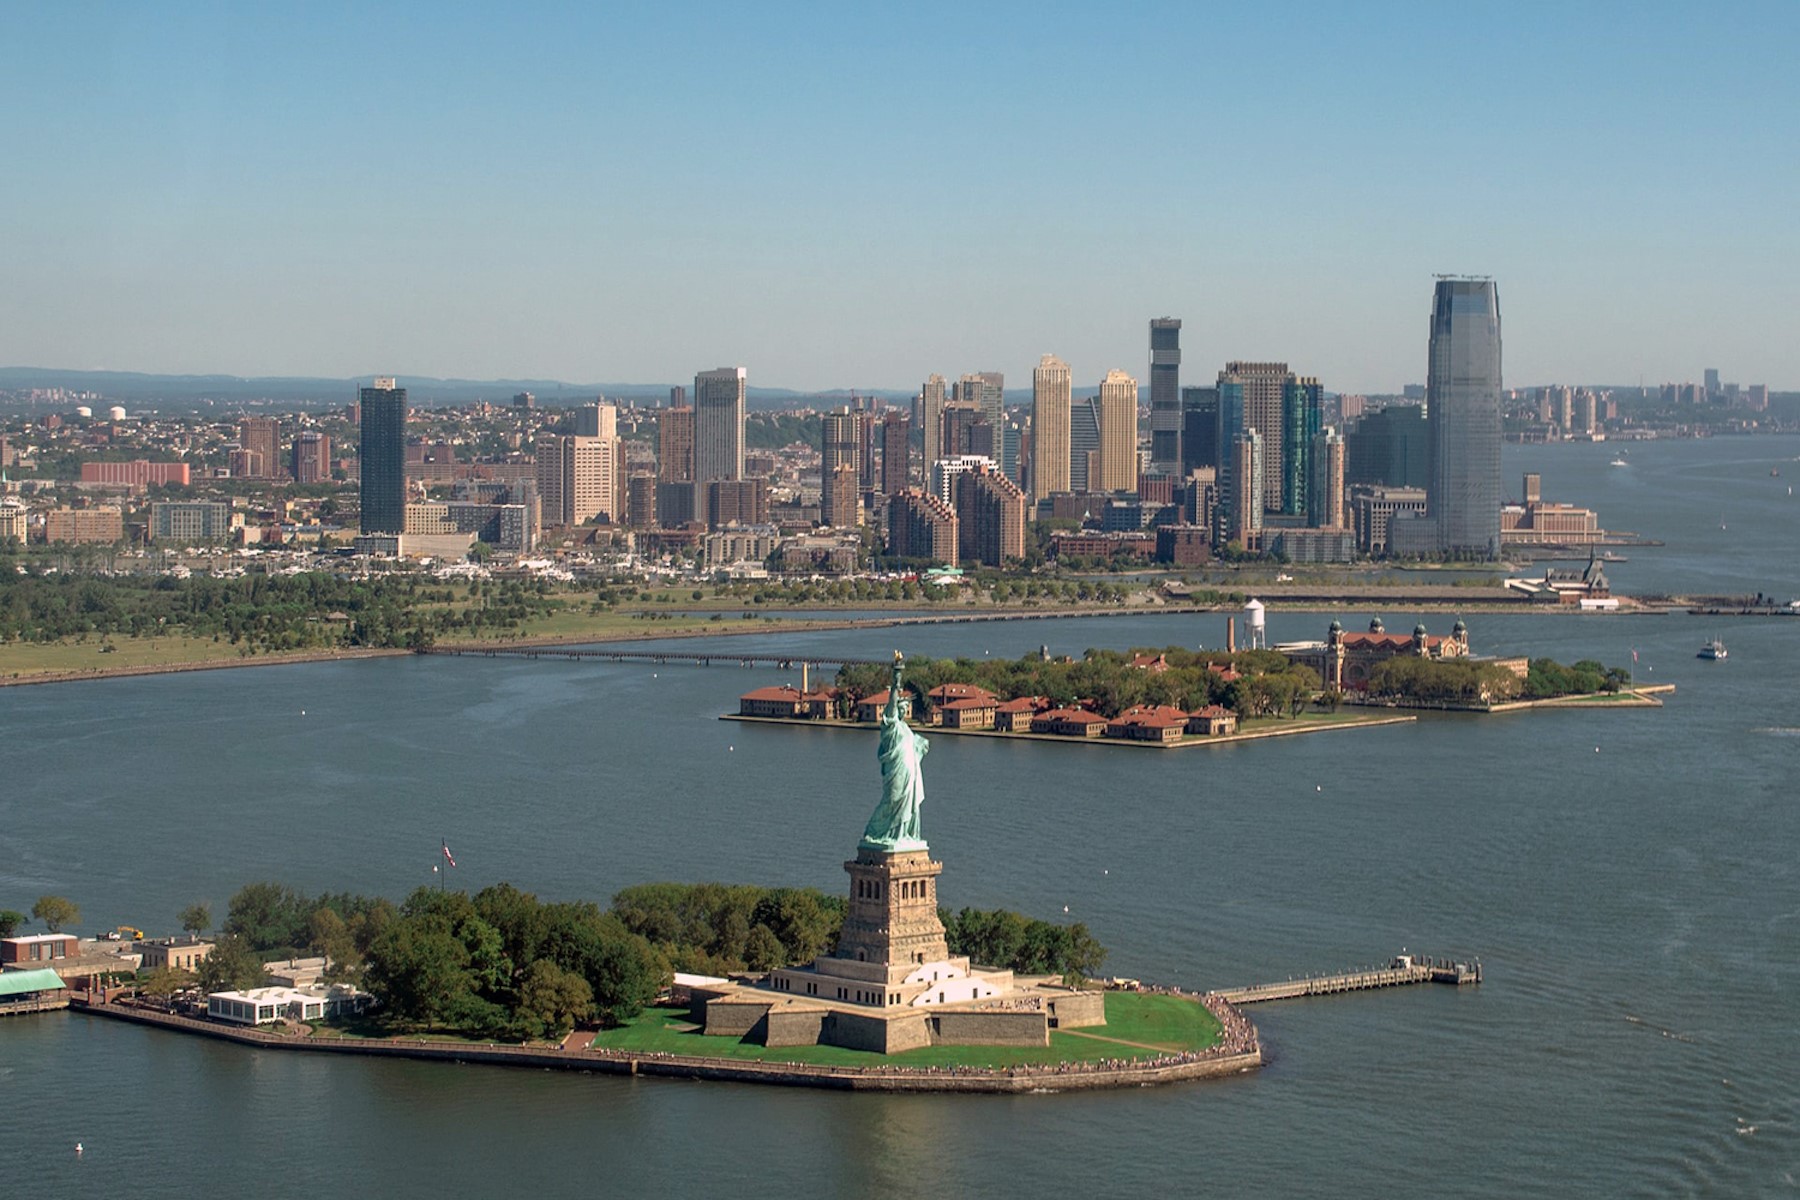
893, 917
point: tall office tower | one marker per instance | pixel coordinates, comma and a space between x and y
580, 478
838, 441
675, 445
718, 430
1243, 503
1462, 392
958, 420
921, 525
383, 457
312, 457
946, 471
931, 419
896, 452
1084, 445
1258, 387
1325, 482
597, 420
677, 397
1199, 429
261, 436
1165, 395
1712, 382
865, 450
990, 513
1050, 408
1390, 447
840, 503
1118, 414
1302, 416
978, 437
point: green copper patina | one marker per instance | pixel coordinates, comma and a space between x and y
894, 825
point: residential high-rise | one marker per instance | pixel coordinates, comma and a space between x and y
1165, 395
678, 397
931, 419
597, 420
840, 502
1199, 429
1462, 393
382, 455
1084, 445
675, 445
718, 428
1243, 502
1118, 417
990, 513
946, 471
261, 436
1325, 481
896, 452
1258, 388
311, 457
1050, 404
921, 525
1302, 416
1711, 377
986, 391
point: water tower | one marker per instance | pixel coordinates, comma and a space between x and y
1256, 634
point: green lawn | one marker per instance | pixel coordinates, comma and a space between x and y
1164, 1022
25, 659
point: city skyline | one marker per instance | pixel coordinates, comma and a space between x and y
208, 194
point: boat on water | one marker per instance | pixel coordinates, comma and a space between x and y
1621, 461
1713, 650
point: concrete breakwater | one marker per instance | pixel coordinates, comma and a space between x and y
1238, 1050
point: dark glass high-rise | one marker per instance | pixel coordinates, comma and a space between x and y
1462, 391
383, 457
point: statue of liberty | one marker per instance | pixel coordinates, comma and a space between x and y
894, 825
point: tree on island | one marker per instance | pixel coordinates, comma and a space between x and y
196, 918
232, 966
10, 921
55, 912
160, 983
553, 1000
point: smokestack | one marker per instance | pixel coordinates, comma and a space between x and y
804, 675
1231, 635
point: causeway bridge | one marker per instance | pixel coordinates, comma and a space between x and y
1403, 970
706, 658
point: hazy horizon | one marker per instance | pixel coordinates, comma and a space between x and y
842, 199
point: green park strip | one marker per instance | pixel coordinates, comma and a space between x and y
1138, 1025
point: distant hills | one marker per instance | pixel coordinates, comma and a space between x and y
232, 391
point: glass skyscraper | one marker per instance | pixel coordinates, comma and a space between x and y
1462, 391
1302, 416
1165, 394
382, 455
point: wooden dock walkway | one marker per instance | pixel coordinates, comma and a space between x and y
1403, 970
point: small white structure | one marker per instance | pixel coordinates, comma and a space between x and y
267, 1005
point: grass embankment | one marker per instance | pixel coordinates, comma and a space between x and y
1137, 1026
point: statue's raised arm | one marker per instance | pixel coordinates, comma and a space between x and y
894, 825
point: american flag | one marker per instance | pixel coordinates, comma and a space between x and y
447, 855
1634, 654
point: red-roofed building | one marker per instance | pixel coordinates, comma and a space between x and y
943, 693
820, 704
1212, 721
869, 707
1069, 722
1225, 671
779, 701
1345, 661
970, 712
1014, 716
1149, 723
1156, 664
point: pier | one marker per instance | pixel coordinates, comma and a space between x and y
1404, 970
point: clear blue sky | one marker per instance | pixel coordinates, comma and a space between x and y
842, 195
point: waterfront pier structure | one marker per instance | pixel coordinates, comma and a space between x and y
1403, 970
